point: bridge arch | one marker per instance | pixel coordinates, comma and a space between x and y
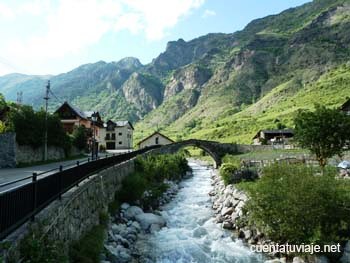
211, 148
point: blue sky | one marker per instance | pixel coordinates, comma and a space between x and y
55, 36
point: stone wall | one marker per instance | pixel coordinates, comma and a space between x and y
27, 154
69, 219
7, 150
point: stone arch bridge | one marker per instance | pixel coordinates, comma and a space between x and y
215, 149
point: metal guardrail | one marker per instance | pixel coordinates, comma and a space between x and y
18, 204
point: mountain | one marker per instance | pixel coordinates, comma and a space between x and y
219, 86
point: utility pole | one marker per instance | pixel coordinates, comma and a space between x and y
19, 97
46, 98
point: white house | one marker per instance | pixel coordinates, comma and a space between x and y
155, 138
118, 135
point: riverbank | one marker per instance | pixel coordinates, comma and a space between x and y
229, 208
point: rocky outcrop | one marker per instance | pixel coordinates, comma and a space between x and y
144, 92
187, 78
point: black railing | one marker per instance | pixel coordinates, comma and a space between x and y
18, 203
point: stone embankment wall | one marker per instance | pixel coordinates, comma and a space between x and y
69, 219
7, 150
26, 154
11, 153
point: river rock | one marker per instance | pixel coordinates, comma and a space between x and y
227, 225
226, 211
136, 225
346, 255
227, 202
275, 260
147, 219
323, 259
298, 260
124, 206
247, 234
132, 212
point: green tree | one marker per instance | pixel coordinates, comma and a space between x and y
291, 204
80, 137
30, 128
325, 132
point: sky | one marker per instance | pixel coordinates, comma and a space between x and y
54, 36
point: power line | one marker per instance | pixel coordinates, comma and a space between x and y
54, 95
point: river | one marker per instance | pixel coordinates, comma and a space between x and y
191, 234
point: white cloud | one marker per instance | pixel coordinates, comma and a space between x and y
208, 13
6, 12
156, 16
69, 27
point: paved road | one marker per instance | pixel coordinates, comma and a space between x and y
13, 174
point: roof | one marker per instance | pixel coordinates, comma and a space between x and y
285, 131
78, 112
120, 123
82, 114
153, 135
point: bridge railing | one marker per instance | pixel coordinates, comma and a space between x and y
20, 203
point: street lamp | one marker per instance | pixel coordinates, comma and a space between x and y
94, 119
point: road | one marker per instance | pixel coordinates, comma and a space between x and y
14, 174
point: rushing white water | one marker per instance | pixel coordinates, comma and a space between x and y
191, 234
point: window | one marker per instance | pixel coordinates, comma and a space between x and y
120, 134
108, 136
113, 136
157, 140
120, 142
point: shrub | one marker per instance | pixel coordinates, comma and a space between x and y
37, 248
290, 204
226, 172
133, 187
89, 248
80, 138
150, 173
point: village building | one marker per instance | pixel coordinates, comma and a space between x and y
71, 118
118, 135
155, 138
273, 137
346, 107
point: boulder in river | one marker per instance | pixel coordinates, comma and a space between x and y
147, 219
132, 212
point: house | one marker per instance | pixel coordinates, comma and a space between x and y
117, 135
71, 117
273, 137
346, 107
155, 138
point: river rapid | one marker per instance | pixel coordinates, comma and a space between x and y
191, 234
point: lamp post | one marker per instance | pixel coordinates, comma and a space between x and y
94, 119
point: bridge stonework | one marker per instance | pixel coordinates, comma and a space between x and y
215, 149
